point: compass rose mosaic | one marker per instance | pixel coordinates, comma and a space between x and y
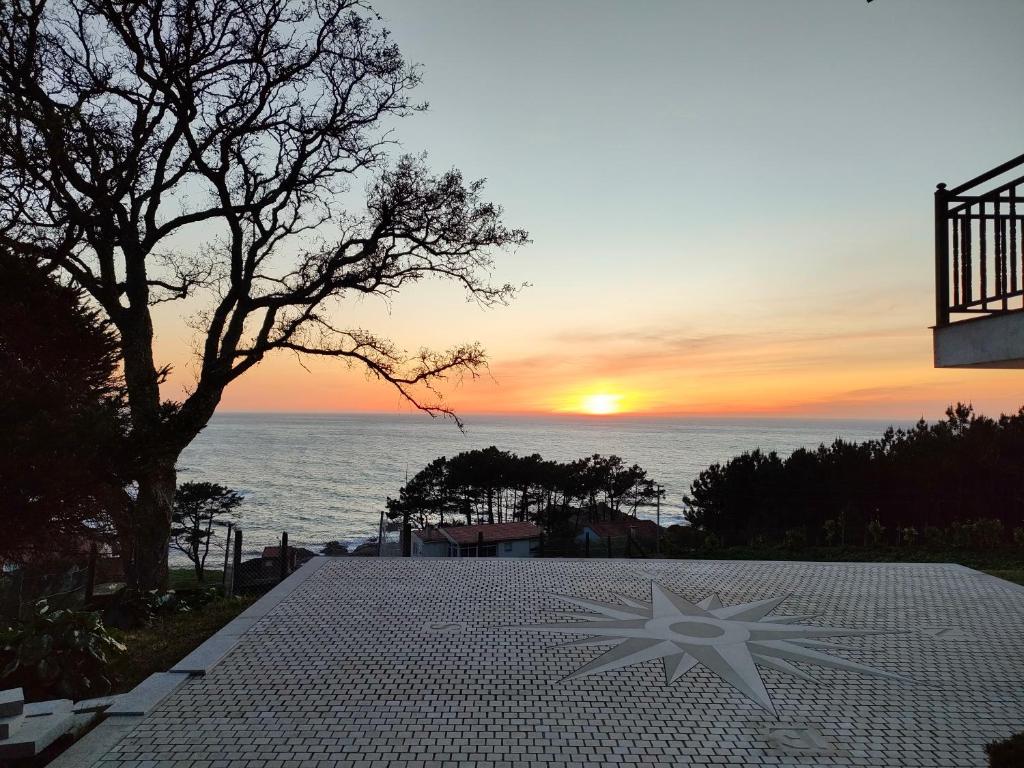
731, 641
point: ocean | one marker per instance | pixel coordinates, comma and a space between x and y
325, 477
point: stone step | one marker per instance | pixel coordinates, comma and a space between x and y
9, 725
54, 706
12, 702
36, 733
94, 705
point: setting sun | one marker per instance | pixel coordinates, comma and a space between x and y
601, 404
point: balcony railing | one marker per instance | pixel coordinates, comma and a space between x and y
978, 245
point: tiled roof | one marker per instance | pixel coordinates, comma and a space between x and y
470, 534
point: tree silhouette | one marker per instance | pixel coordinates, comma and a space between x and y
958, 471
162, 150
198, 507
61, 475
489, 485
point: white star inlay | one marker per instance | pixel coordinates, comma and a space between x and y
731, 641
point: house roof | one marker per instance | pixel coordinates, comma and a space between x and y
621, 528
470, 534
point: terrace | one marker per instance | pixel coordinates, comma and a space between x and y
495, 663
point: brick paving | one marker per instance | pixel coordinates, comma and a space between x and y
422, 662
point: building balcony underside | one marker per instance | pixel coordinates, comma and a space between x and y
991, 341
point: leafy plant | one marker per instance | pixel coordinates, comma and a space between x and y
58, 653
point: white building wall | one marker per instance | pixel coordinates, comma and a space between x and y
421, 548
518, 548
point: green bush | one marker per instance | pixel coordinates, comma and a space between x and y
831, 529
711, 542
795, 538
58, 653
985, 533
875, 531
908, 535
131, 611
1006, 754
934, 537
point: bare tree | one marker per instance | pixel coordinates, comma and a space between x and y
154, 150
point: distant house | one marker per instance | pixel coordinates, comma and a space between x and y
297, 555
492, 540
643, 531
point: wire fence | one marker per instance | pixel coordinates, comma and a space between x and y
21, 590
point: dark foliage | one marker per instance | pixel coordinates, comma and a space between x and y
58, 654
131, 610
491, 486
1006, 754
61, 462
956, 482
198, 507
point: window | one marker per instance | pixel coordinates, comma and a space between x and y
470, 550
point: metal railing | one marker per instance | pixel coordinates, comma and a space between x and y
978, 245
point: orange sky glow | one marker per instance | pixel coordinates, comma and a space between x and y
712, 234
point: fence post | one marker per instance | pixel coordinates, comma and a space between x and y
479, 542
236, 562
406, 540
227, 555
284, 555
586, 545
942, 256
90, 573
609, 541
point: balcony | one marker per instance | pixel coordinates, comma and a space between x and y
979, 276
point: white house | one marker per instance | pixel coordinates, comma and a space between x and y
489, 540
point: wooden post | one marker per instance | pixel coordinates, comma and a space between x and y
406, 540
586, 545
227, 555
609, 542
657, 541
90, 573
236, 560
942, 256
284, 555
479, 542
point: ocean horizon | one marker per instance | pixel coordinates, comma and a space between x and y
326, 476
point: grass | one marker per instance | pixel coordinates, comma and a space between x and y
185, 578
168, 639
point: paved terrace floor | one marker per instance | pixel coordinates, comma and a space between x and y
416, 663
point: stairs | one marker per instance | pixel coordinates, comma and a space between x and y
28, 729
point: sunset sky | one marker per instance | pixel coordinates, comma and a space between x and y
729, 202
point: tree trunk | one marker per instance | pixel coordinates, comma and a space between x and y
151, 527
